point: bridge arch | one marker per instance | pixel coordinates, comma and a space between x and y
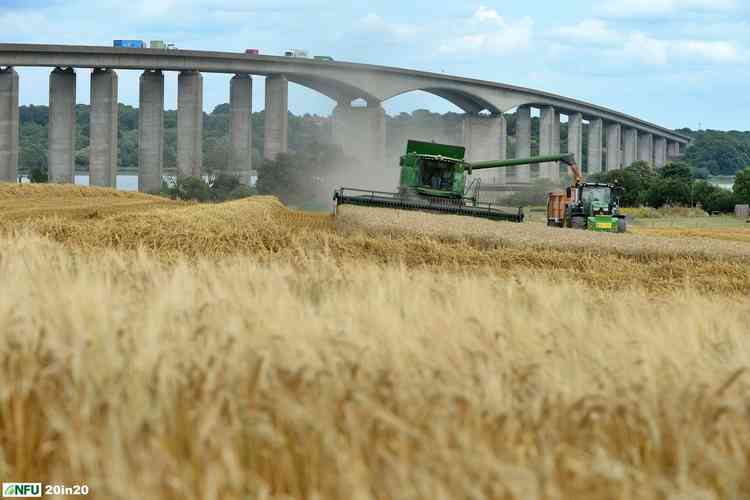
467, 101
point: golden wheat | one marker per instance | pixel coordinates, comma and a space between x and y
246, 351
232, 379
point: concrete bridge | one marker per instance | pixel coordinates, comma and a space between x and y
614, 139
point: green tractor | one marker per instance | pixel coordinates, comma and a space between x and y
586, 205
433, 179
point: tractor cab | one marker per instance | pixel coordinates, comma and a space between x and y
597, 199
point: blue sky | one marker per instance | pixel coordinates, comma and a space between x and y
674, 62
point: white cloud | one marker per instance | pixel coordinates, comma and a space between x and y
646, 49
716, 52
656, 8
500, 37
659, 52
485, 14
374, 22
589, 32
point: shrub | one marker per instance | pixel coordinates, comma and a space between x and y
720, 200
192, 188
39, 175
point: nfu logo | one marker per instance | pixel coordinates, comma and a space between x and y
22, 489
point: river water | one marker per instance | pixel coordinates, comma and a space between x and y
123, 182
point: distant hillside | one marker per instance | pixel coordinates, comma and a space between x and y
720, 153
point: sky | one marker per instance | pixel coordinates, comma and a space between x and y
677, 63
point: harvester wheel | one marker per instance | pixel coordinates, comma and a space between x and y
578, 223
621, 225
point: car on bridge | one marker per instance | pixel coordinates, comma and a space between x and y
252, 52
323, 58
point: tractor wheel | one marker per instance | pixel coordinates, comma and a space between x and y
578, 222
621, 225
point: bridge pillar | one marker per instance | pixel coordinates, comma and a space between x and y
630, 146
596, 135
360, 131
103, 129
62, 125
523, 142
241, 103
151, 132
485, 138
660, 152
645, 148
549, 141
575, 137
8, 125
673, 150
614, 155
277, 119
190, 123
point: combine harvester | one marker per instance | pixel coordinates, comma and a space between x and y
433, 179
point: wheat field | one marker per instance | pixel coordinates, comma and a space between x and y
243, 350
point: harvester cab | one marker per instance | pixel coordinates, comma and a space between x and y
433, 179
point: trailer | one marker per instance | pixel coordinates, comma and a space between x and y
295, 53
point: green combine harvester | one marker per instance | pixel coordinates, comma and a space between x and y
433, 179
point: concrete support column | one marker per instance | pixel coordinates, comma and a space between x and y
277, 119
62, 125
549, 141
241, 103
103, 130
575, 137
630, 146
360, 131
673, 149
646, 148
660, 152
485, 138
151, 132
8, 125
523, 142
190, 123
596, 135
614, 156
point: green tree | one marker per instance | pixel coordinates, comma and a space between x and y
721, 200
636, 179
721, 153
742, 185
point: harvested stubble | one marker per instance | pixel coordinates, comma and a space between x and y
24, 201
230, 379
533, 235
729, 234
262, 228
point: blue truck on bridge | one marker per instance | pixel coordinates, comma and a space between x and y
131, 44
